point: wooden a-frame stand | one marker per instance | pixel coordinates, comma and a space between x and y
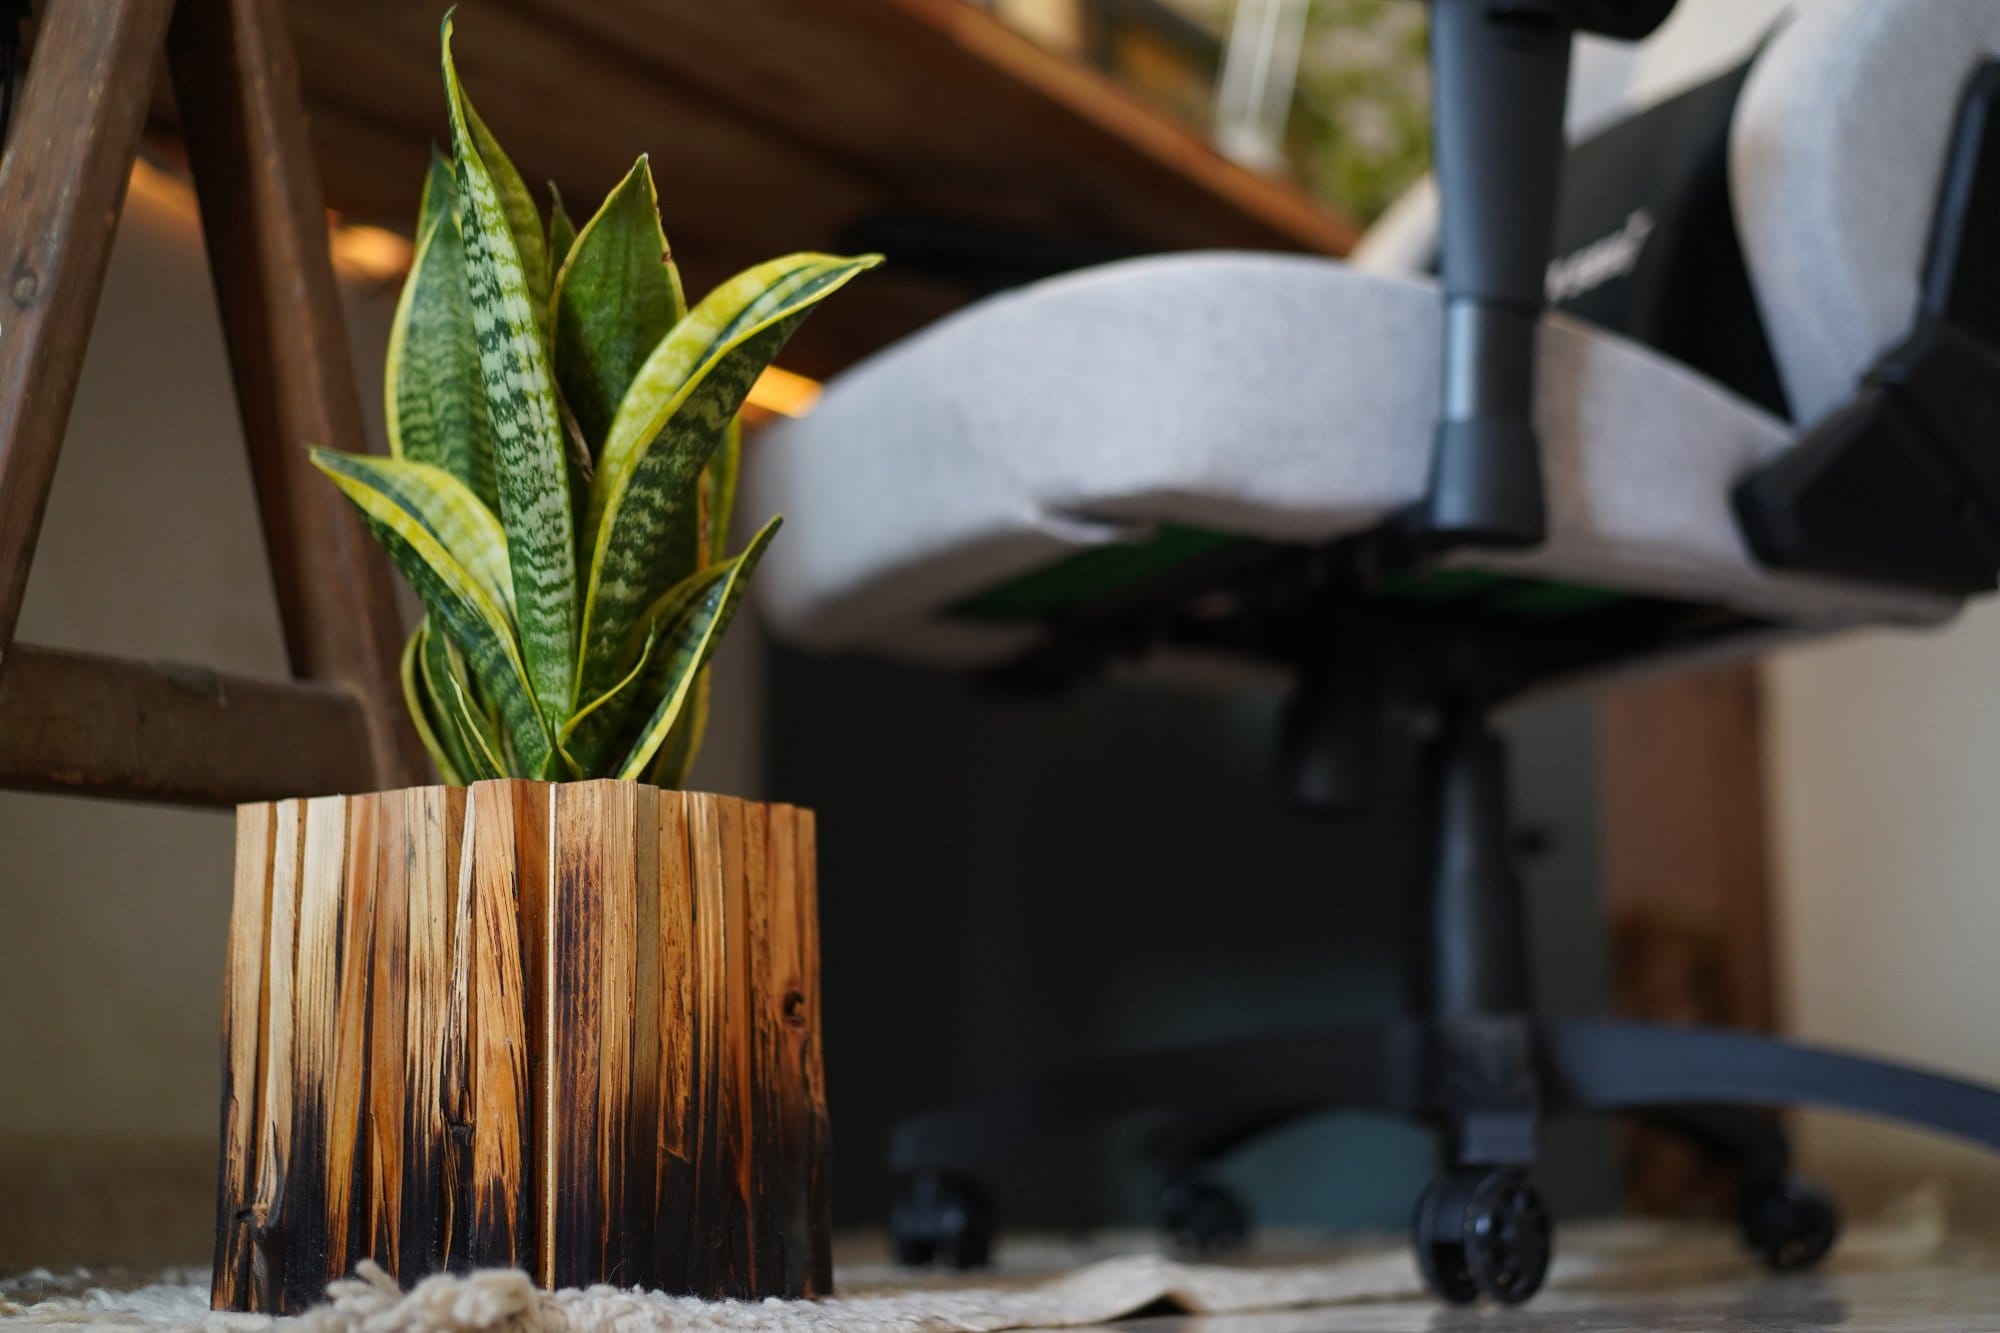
83, 723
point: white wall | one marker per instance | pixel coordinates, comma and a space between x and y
1885, 761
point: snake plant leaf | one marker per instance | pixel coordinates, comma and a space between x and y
688, 620
584, 737
431, 377
445, 678
644, 499
718, 505
462, 604
718, 492
445, 506
465, 737
531, 474
562, 232
617, 295
424, 711
524, 218
509, 192
440, 196
684, 740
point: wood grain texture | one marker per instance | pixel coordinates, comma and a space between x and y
242, 1046
1687, 886
508, 856
886, 108
62, 180
79, 722
567, 1027
236, 84
72, 722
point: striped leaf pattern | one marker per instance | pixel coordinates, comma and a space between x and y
563, 459
528, 448
617, 295
688, 621
465, 729
437, 407
644, 499
446, 507
424, 710
476, 620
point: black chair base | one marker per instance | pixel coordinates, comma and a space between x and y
1482, 1229
1472, 1061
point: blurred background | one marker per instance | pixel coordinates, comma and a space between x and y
1802, 843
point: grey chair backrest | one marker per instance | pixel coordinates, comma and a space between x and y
1836, 150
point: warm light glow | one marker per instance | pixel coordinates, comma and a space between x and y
367, 254
161, 189
371, 254
784, 393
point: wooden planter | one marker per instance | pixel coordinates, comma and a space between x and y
571, 1028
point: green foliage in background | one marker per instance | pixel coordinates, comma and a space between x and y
1360, 129
563, 455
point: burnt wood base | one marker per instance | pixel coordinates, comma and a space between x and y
571, 1028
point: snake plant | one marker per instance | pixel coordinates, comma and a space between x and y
563, 448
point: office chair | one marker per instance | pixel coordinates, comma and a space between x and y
1774, 412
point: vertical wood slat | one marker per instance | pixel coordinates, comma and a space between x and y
811, 1094
711, 1268
508, 855
676, 1227
242, 1044
304, 1212
569, 1027
274, 1129
387, 1029
346, 1185
62, 180
236, 85
641, 1145
578, 971
434, 822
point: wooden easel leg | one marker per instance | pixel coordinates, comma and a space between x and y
236, 81
62, 182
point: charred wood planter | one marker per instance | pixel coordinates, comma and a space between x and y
571, 1028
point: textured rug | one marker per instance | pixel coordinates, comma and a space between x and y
1039, 1285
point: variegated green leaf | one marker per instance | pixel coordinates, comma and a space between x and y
440, 196
597, 723
516, 203
528, 448
424, 712
463, 727
689, 620
616, 296
670, 422
445, 506
718, 506
683, 743
444, 670
718, 495
435, 399
562, 232
460, 603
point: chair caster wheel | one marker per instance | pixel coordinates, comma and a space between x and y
1483, 1231
941, 1219
1203, 1218
1789, 1221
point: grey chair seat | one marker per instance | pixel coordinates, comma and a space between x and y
1274, 397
